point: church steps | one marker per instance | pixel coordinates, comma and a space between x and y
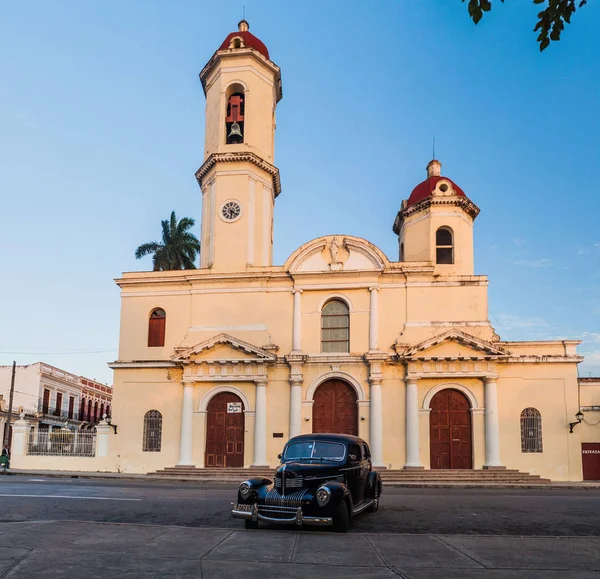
410, 477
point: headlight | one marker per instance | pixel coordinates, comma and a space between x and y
323, 496
245, 490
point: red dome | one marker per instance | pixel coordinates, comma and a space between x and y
250, 41
426, 188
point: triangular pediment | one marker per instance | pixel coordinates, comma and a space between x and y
224, 347
454, 345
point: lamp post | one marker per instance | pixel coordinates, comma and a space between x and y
579, 417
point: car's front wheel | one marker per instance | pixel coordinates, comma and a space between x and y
251, 524
341, 519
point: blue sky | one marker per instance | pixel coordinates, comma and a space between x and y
101, 131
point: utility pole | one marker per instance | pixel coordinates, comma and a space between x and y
10, 403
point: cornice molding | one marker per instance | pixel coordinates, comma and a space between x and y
141, 364
240, 157
463, 203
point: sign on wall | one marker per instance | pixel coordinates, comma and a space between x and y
234, 408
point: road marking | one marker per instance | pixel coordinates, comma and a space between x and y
69, 497
37, 480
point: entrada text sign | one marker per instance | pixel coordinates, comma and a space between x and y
234, 407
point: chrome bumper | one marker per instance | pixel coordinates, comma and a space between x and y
297, 519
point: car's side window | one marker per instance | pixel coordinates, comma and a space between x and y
356, 451
367, 453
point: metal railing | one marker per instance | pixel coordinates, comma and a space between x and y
62, 443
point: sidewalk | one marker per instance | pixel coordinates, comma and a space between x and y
105, 550
583, 485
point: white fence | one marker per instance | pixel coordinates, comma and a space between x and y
62, 443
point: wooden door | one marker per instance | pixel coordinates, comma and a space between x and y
335, 408
590, 456
225, 431
450, 430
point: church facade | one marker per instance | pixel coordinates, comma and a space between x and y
219, 366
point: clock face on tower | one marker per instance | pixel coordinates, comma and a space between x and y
231, 210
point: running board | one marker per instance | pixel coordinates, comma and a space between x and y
362, 506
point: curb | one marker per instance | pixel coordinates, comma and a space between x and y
228, 481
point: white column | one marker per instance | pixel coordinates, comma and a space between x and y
492, 425
376, 424
103, 431
297, 323
187, 417
20, 436
295, 408
413, 458
373, 319
260, 424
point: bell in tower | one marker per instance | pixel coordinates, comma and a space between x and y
234, 122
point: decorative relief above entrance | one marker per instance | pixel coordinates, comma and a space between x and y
336, 253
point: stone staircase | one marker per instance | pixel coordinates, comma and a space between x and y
493, 477
462, 477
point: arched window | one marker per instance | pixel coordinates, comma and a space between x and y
335, 327
531, 430
82, 410
95, 413
108, 410
152, 431
402, 251
444, 246
234, 121
89, 411
102, 411
156, 328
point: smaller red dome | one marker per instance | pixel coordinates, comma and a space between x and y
427, 187
249, 40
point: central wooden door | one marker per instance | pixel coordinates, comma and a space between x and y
450, 430
225, 431
335, 408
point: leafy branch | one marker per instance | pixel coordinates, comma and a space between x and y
551, 20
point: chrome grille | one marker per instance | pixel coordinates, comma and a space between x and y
290, 483
294, 499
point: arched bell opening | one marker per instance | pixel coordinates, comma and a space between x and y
235, 114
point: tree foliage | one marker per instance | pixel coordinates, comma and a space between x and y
178, 249
551, 20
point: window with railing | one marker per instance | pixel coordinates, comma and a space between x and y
531, 430
61, 443
152, 431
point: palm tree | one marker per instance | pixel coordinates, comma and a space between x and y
178, 249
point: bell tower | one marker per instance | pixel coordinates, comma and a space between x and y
238, 179
435, 224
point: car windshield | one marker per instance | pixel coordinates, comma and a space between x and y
314, 450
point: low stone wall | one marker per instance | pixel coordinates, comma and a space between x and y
63, 463
101, 462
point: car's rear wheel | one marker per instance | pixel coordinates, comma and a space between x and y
251, 524
341, 519
375, 504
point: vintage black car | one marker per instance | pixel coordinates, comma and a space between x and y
324, 479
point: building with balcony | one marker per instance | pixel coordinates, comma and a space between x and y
52, 398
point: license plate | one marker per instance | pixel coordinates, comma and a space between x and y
245, 508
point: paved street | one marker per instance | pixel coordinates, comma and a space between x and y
83, 528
